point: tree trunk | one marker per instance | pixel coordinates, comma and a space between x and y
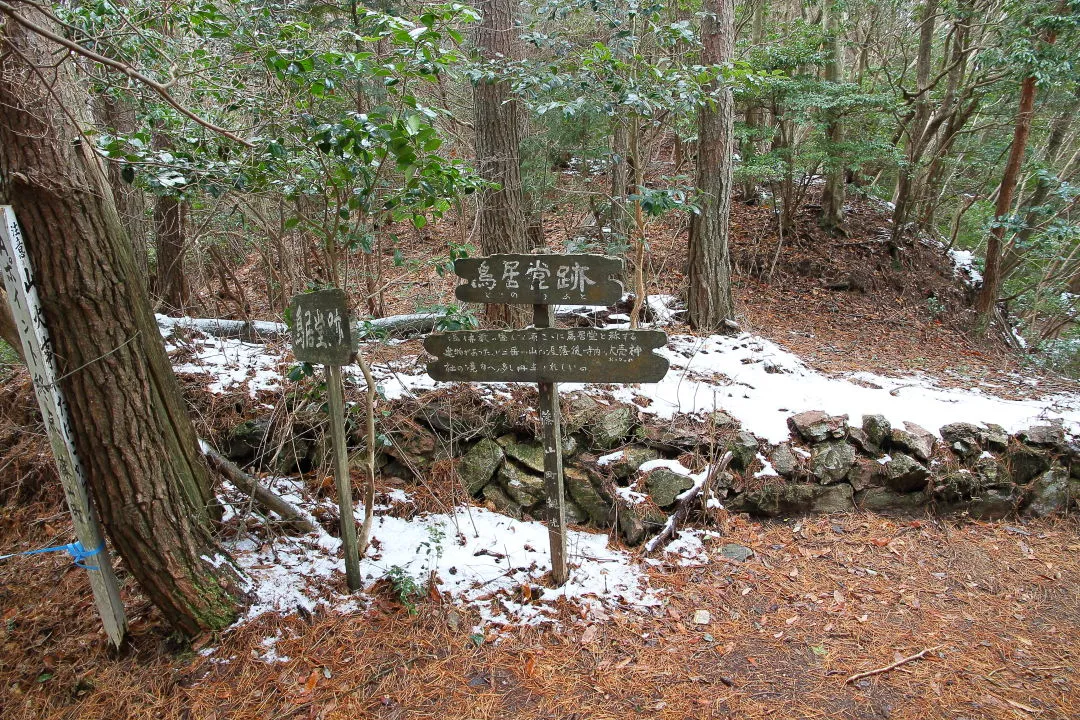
991, 287
832, 195
620, 180
501, 221
171, 284
119, 117
131, 428
754, 113
709, 295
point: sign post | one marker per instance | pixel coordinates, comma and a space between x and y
322, 333
546, 355
26, 309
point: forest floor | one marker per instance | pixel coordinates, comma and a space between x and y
995, 606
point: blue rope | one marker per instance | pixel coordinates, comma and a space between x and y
76, 550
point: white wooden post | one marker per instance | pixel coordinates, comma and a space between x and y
26, 308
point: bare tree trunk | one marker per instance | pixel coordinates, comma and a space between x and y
131, 427
710, 300
171, 284
832, 195
501, 222
620, 179
991, 287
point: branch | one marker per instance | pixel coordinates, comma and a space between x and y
686, 501
161, 89
887, 668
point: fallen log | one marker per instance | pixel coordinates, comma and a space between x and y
251, 487
257, 331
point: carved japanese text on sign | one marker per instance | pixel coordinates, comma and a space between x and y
321, 331
548, 355
540, 279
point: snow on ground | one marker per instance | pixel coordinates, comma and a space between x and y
496, 563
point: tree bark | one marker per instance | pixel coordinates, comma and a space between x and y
131, 428
501, 221
832, 194
710, 300
991, 287
119, 116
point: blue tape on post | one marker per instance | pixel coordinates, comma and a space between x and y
76, 550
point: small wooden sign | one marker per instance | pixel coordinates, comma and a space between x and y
540, 279
548, 355
321, 331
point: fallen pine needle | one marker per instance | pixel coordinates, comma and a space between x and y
887, 668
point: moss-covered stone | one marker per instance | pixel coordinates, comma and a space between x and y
795, 499
904, 474
529, 454
479, 464
523, 487
664, 486
633, 457
830, 462
784, 461
500, 501
1048, 493
884, 500
744, 450
608, 429
589, 495
1026, 463
637, 521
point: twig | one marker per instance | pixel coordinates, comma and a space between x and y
893, 666
160, 88
686, 501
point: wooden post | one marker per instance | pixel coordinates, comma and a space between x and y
336, 396
26, 308
551, 418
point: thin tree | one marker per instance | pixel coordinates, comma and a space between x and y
710, 300
131, 427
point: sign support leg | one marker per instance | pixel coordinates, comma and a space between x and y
336, 397
550, 416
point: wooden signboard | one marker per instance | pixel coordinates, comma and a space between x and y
26, 309
546, 355
549, 355
540, 279
322, 333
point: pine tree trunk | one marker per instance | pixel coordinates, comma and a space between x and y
501, 221
991, 287
171, 286
132, 431
710, 300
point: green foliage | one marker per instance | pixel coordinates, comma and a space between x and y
405, 588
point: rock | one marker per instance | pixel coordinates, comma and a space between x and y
1048, 493
633, 458
414, 446
578, 411
667, 439
720, 419
884, 500
815, 426
500, 501
531, 454
794, 499
636, 521
744, 449
247, 441
701, 617
523, 488
859, 438
1026, 463
992, 473
664, 486
609, 428
1052, 435
831, 461
866, 473
913, 440
479, 464
784, 461
996, 437
575, 514
878, 429
588, 495
904, 474
570, 446
964, 439
738, 553
994, 503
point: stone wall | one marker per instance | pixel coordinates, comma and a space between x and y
829, 465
